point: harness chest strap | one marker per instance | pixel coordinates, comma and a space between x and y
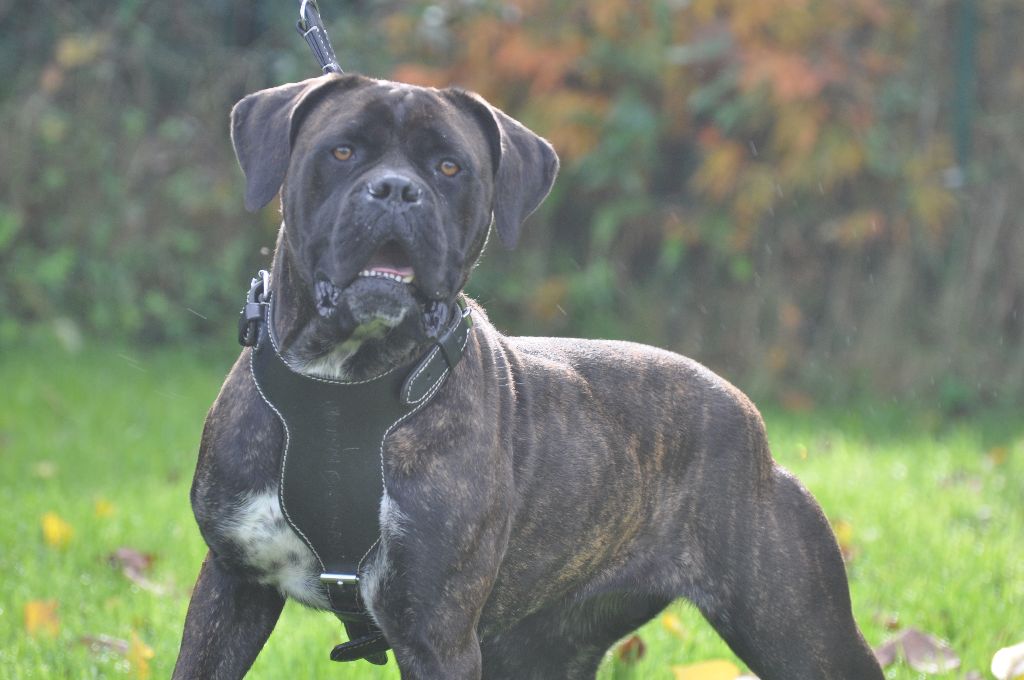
331, 482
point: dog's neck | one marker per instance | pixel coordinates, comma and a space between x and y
311, 343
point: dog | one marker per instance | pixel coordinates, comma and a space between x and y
550, 495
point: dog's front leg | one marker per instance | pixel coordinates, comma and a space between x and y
433, 573
228, 621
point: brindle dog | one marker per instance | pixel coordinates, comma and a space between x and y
555, 494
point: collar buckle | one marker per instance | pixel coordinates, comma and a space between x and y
252, 312
451, 340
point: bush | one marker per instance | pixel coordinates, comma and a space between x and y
815, 197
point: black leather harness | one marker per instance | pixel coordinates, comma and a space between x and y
331, 483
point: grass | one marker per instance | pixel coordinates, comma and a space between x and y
107, 439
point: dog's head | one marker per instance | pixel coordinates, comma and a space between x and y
388, 190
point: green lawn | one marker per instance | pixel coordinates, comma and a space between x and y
107, 438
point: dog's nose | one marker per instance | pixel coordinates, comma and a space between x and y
394, 188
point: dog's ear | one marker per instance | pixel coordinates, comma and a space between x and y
263, 127
525, 164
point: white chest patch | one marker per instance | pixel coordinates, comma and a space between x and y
269, 546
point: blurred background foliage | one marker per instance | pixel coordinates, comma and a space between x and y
820, 199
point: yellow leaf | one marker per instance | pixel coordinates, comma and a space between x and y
707, 670
103, 508
548, 297
755, 195
997, 455
718, 171
844, 537
139, 654
844, 531
79, 49
56, 532
672, 624
932, 205
41, 617
860, 227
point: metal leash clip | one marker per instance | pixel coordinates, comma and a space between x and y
252, 312
311, 28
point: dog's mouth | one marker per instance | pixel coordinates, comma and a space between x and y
389, 262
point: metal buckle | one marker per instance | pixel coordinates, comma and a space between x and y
261, 293
340, 579
252, 312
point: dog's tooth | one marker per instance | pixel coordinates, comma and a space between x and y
373, 273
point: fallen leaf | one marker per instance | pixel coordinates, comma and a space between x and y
997, 455
928, 654
131, 559
135, 565
887, 653
923, 652
887, 620
707, 670
103, 508
672, 624
1008, 662
105, 643
631, 650
139, 654
844, 537
56, 532
41, 617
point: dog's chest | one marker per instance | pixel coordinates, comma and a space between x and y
268, 546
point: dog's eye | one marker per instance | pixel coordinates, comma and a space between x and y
342, 153
449, 168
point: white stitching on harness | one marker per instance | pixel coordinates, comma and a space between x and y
284, 459
420, 404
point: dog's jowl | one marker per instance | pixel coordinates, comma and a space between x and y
483, 506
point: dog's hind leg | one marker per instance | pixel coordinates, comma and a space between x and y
775, 587
566, 641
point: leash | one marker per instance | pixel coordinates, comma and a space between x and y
311, 28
